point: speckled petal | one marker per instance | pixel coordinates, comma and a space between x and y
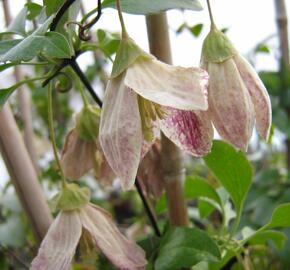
191, 131
77, 156
58, 247
177, 87
120, 132
230, 104
124, 254
259, 95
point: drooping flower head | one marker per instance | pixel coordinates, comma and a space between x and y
237, 96
77, 219
143, 96
82, 151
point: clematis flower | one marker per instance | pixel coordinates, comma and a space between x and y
86, 220
145, 96
237, 96
82, 151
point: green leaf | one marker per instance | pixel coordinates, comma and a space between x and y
232, 169
262, 48
25, 50
196, 29
52, 6
280, 217
7, 45
56, 45
263, 237
127, 54
153, 6
205, 208
33, 10
198, 187
17, 26
5, 93
185, 247
108, 42
53, 44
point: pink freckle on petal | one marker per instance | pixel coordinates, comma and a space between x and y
191, 131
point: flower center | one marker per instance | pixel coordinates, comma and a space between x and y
149, 113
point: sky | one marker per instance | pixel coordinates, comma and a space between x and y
249, 22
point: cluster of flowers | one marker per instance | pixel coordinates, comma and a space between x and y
143, 97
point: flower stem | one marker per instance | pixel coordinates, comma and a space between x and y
213, 26
124, 32
52, 135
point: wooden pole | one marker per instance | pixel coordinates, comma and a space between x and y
23, 98
172, 159
282, 25
23, 174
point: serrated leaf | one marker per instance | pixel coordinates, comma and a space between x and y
17, 26
198, 187
152, 6
280, 217
196, 29
232, 169
185, 247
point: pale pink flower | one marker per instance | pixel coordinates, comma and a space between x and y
82, 151
59, 245
237, 96
148, 96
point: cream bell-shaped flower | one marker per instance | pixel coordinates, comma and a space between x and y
144, 97
59, 245
237, 96
82, 151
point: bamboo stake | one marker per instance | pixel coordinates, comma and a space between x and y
23, 97
282, 25
23, 174
172, 159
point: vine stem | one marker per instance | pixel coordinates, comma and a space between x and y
146, 204
74, 65
213, 26
124, 32
52, 134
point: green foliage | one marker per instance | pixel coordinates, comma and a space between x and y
152, 6
264, 237
33, 10
17, 26
51, 44
198, 187
232, 169
196, 29
185, 247
280, 217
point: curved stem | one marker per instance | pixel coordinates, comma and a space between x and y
124, 32
52, 135
213, 26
